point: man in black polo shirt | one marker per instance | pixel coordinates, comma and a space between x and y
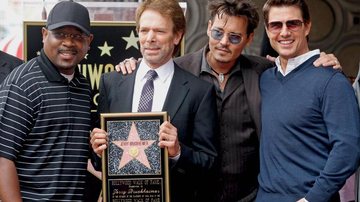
45, 115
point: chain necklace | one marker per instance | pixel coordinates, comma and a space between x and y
221, 76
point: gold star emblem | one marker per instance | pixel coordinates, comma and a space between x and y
134, 152
131, 41
105, 49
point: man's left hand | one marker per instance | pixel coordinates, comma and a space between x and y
327, 60
168, 137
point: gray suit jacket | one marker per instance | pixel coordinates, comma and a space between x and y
251, 67
243, 165
191, 105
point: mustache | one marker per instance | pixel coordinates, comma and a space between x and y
223, 48
68, 50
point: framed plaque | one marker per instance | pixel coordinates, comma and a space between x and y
134, 167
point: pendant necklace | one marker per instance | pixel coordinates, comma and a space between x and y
221, 76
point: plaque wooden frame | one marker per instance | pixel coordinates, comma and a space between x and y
134, 167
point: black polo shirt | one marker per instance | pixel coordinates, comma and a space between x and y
44, 129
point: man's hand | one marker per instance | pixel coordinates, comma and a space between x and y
327, 60
127, 66
271, 58
99, 140
168, 137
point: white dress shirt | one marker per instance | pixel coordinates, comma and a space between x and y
161, 84
68, 77
295, 62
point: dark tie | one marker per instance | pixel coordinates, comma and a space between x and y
147, 92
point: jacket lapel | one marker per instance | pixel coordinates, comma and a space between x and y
177, 92
251, 83
192, 62
125, 93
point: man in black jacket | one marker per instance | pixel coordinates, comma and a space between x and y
7, 64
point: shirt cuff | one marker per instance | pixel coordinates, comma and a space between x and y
176, 158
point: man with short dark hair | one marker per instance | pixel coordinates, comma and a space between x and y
310, 138
45, 115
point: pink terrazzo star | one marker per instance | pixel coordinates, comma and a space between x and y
134, 148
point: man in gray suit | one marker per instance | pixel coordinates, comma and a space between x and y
7, 64
188, 100
221, 62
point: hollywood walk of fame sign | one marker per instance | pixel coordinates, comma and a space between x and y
134, 167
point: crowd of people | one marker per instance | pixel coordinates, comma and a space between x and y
243, 127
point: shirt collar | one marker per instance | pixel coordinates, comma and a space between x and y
293, 63
205, 66
50, 71
68, 77
164, 71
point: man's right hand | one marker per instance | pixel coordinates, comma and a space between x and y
127, 66
99, 140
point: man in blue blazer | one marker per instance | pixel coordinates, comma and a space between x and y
189, 101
